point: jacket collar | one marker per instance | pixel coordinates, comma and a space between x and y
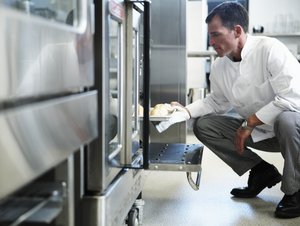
249, 45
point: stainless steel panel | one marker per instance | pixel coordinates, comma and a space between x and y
40, 57
168, 62
55, 10
38, 136
112, 208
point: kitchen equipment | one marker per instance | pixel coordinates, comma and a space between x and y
47, 110
117, 159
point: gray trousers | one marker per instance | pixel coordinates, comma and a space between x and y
217, 132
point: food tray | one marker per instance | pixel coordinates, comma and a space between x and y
157, 118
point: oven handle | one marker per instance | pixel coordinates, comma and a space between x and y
146, 82
146, 85
193, 184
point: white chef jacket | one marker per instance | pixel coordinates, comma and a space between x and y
265, 82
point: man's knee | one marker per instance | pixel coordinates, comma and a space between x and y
202, 125
287, 123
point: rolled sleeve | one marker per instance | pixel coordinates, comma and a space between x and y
211, 104
198, 109
268, 114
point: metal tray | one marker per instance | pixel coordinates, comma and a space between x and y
175, 157
157, 118
178, 157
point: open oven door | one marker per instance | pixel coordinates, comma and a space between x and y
116, 159
140, 151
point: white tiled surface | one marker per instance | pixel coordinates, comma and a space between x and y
170, 201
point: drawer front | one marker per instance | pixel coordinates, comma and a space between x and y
38, 136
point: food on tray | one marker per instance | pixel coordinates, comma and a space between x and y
140, 110
161, 110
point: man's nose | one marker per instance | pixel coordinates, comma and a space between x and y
211, 41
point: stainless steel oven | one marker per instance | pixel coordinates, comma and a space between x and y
117, 159
48, 111
112, 185
74, 75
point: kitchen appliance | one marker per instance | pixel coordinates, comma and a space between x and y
112, 186
124, 148
74, 78
47, 112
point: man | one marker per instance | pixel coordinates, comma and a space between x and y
260, 79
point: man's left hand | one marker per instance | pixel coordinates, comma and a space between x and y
240, 139
242, 134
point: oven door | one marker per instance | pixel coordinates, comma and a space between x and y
122, 48
107, 151
140, 152
134, 79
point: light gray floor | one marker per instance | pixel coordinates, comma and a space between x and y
170, 201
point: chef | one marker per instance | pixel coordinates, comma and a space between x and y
259, 79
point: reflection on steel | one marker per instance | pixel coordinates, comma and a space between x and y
117, 9
40, 58
38, 136
168, 63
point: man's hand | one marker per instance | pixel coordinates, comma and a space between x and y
178, 107
175, 103
180, 114
241, 136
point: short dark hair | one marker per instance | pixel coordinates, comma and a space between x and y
231, 14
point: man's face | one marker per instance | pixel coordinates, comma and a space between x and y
222, 39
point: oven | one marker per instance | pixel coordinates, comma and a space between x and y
75, 75
117, 159
48, 111
111, 187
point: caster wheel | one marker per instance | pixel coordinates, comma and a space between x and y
133, 218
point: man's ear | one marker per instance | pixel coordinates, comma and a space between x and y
238, 30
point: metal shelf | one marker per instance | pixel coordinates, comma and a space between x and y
39, 203
176, 157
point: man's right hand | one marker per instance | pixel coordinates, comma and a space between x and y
179, 115
177, 106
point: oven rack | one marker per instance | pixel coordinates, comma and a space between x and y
36, 204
